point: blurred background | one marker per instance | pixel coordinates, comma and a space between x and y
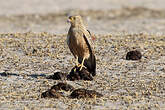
101, 16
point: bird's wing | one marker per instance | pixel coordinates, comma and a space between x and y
87, 38
90, 63
90, 37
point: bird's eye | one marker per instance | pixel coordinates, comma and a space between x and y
70, 17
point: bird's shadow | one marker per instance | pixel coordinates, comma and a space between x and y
37, 75
6, 74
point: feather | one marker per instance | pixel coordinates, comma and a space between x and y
90, 62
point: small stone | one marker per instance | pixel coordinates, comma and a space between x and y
134, 55
84, 93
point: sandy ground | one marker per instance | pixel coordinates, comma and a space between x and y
33, 46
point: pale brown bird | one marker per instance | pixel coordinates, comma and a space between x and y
79, 42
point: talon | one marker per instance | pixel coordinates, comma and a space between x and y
75, 69
77, 66
81, 67
82, 64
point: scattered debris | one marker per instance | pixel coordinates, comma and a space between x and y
51, 93
134, 55
57, 76
54, 91
77, 93
76, 74
63, 86
84, 93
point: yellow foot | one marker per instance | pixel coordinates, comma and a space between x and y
77, 66
75, 69
81, 66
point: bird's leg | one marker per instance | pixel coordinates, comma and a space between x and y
76, 62
79, 65
82, 64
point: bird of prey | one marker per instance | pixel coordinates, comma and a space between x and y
79, 43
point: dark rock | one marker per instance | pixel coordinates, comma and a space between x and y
134, 55
57, 76
76, 93
51, 93
84, 93
63, 86
76, 74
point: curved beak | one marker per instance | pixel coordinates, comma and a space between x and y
68, 20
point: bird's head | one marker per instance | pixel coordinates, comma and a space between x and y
75, 20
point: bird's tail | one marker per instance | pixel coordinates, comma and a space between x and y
90, 64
